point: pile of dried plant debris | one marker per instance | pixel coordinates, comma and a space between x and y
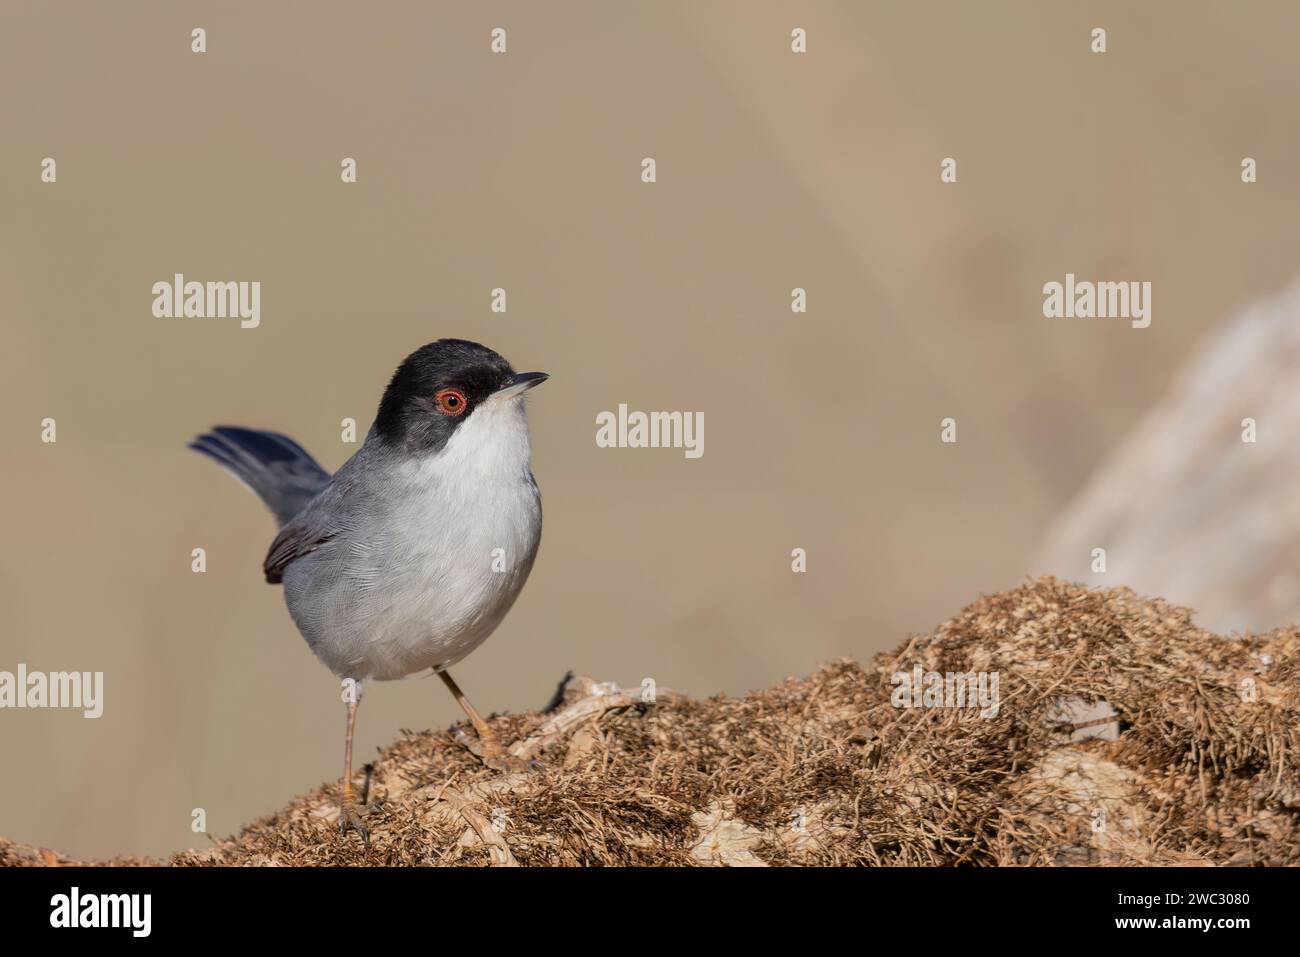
1112, 731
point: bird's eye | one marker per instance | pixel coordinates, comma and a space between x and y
450, 401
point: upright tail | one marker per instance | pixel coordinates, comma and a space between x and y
274, 466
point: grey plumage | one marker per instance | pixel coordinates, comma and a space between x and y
391, 569
412, 553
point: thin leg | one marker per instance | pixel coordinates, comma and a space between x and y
348, 814
487, 737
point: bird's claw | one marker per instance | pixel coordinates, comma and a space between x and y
494, 756
349, 816
507, 763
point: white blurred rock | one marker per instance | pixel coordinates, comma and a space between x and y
1188, 511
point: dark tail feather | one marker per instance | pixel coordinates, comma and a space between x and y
274, 466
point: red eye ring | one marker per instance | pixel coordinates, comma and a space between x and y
450, 401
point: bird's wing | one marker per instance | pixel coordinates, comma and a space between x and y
327, 517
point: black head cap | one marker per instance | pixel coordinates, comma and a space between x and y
436, 388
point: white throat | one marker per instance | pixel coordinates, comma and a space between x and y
490, 447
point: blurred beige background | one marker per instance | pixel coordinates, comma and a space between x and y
522, 171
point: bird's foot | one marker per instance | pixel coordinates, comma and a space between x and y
507, 763
488, 749
350, 816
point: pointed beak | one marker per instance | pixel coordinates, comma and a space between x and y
520, 383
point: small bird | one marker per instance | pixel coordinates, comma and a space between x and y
410, 555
